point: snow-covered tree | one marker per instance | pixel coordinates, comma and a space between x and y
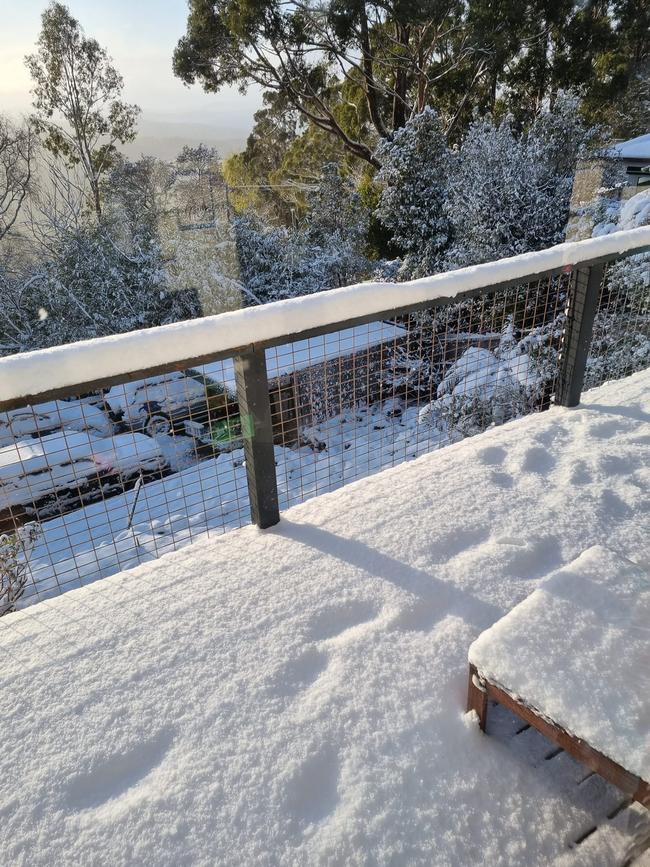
90, 287
17, 152
413, 176
272, 261
279, 262
200, 187
509, 192
336, 230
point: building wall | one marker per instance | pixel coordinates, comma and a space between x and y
594, 179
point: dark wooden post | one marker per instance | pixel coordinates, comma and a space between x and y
576, 341
477, 697
255, 410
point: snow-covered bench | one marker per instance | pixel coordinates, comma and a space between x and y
573, 661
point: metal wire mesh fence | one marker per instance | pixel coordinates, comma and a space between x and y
96, 483
117, 477
394, 390
620, 343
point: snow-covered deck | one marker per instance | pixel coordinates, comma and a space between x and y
296, 695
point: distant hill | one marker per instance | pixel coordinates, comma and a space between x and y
164, 139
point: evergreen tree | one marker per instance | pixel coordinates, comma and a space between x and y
413, 178
509, 193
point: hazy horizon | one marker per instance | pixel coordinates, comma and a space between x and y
140, 37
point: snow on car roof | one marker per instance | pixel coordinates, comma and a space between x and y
306, 353
66, 446
28, 420
35, 454
170, 390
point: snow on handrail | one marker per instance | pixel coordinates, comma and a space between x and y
59, 367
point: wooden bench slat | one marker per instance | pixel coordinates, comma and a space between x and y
481, 690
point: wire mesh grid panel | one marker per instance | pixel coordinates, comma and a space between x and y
620, 343
95, 484
360, 400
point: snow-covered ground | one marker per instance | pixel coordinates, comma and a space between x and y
120, 532
296, 695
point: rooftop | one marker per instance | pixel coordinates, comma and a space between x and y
296, 695
634, 148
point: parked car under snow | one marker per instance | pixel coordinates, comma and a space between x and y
45, 418
51, 475
179, 403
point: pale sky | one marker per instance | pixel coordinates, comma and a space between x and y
140, 35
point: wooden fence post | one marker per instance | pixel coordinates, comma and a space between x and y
255, 410
576, 341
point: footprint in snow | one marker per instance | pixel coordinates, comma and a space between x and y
333, 620
580, 474
530, 558
606, 429
492, 456
113, 778
537, 460
312, 791
299, 673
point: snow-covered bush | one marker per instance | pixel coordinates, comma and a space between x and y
621, 337
502, 192
509, 192
336, 230
90, 287
486, 387
279, 262
272, 260
413, 176
14, 569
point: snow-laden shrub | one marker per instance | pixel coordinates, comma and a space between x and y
413, 176
621, 337
508, 192
14, 569
326, 252
487, 387
272, 260
91, 286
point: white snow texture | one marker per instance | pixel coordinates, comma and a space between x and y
296, 696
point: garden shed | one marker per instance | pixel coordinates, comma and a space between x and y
316, 378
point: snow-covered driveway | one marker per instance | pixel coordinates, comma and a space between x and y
295, 696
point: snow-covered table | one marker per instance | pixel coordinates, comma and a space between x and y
573, 661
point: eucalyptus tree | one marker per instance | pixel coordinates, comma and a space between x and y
76, 97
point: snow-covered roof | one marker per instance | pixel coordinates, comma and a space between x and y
633, 149
296, 695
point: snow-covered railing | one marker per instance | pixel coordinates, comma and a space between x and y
33, 376
241, 415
